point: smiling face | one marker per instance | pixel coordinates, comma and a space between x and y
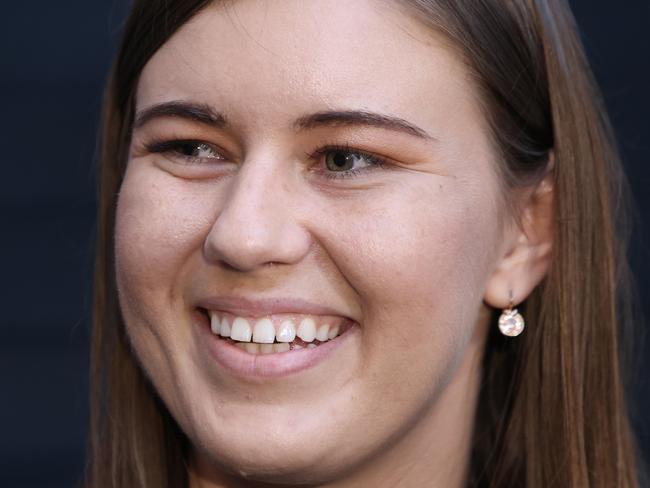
322, 161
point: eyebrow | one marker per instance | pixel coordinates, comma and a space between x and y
185, 110
360, 117
204, 114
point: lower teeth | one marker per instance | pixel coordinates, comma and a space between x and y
276, 347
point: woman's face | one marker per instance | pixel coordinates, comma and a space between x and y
273, 207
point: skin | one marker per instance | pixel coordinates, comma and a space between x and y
417, 251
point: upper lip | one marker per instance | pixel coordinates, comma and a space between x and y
252, 307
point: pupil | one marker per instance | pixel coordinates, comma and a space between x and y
193, 149
189, 149
341, 160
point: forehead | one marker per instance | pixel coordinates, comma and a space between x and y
263, 63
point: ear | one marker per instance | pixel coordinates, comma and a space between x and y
528, 244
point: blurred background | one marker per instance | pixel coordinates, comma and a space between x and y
54, 60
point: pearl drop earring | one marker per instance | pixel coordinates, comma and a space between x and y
511, 323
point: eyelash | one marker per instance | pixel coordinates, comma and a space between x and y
162, 146
374, 162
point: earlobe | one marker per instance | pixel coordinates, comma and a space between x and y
527, 256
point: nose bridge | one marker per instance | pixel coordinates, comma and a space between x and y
257, 222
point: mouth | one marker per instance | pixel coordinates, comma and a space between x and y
274, 344
275, 333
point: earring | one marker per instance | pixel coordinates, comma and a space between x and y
511, 323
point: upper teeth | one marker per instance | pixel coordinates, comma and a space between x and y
275, 328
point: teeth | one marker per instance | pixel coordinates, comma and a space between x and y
307, 330
334, 331
266, 348
225, 328
323, 332
272, 333
215, 323
264, 332
253, 348
281, 347
241, 330
287, 332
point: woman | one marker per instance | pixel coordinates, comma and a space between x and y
323, 227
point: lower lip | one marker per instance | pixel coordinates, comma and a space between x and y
274, 365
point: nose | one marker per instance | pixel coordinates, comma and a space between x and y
258, 223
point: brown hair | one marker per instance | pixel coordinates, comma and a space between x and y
552, 405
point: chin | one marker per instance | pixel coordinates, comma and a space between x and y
275, 460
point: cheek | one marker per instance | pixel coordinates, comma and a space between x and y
160, 223
159, 229
424, 238
419, 258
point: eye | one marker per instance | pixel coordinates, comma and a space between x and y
346, 162
342, 160
196, 150
186, 150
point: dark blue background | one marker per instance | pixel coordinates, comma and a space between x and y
54, 59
